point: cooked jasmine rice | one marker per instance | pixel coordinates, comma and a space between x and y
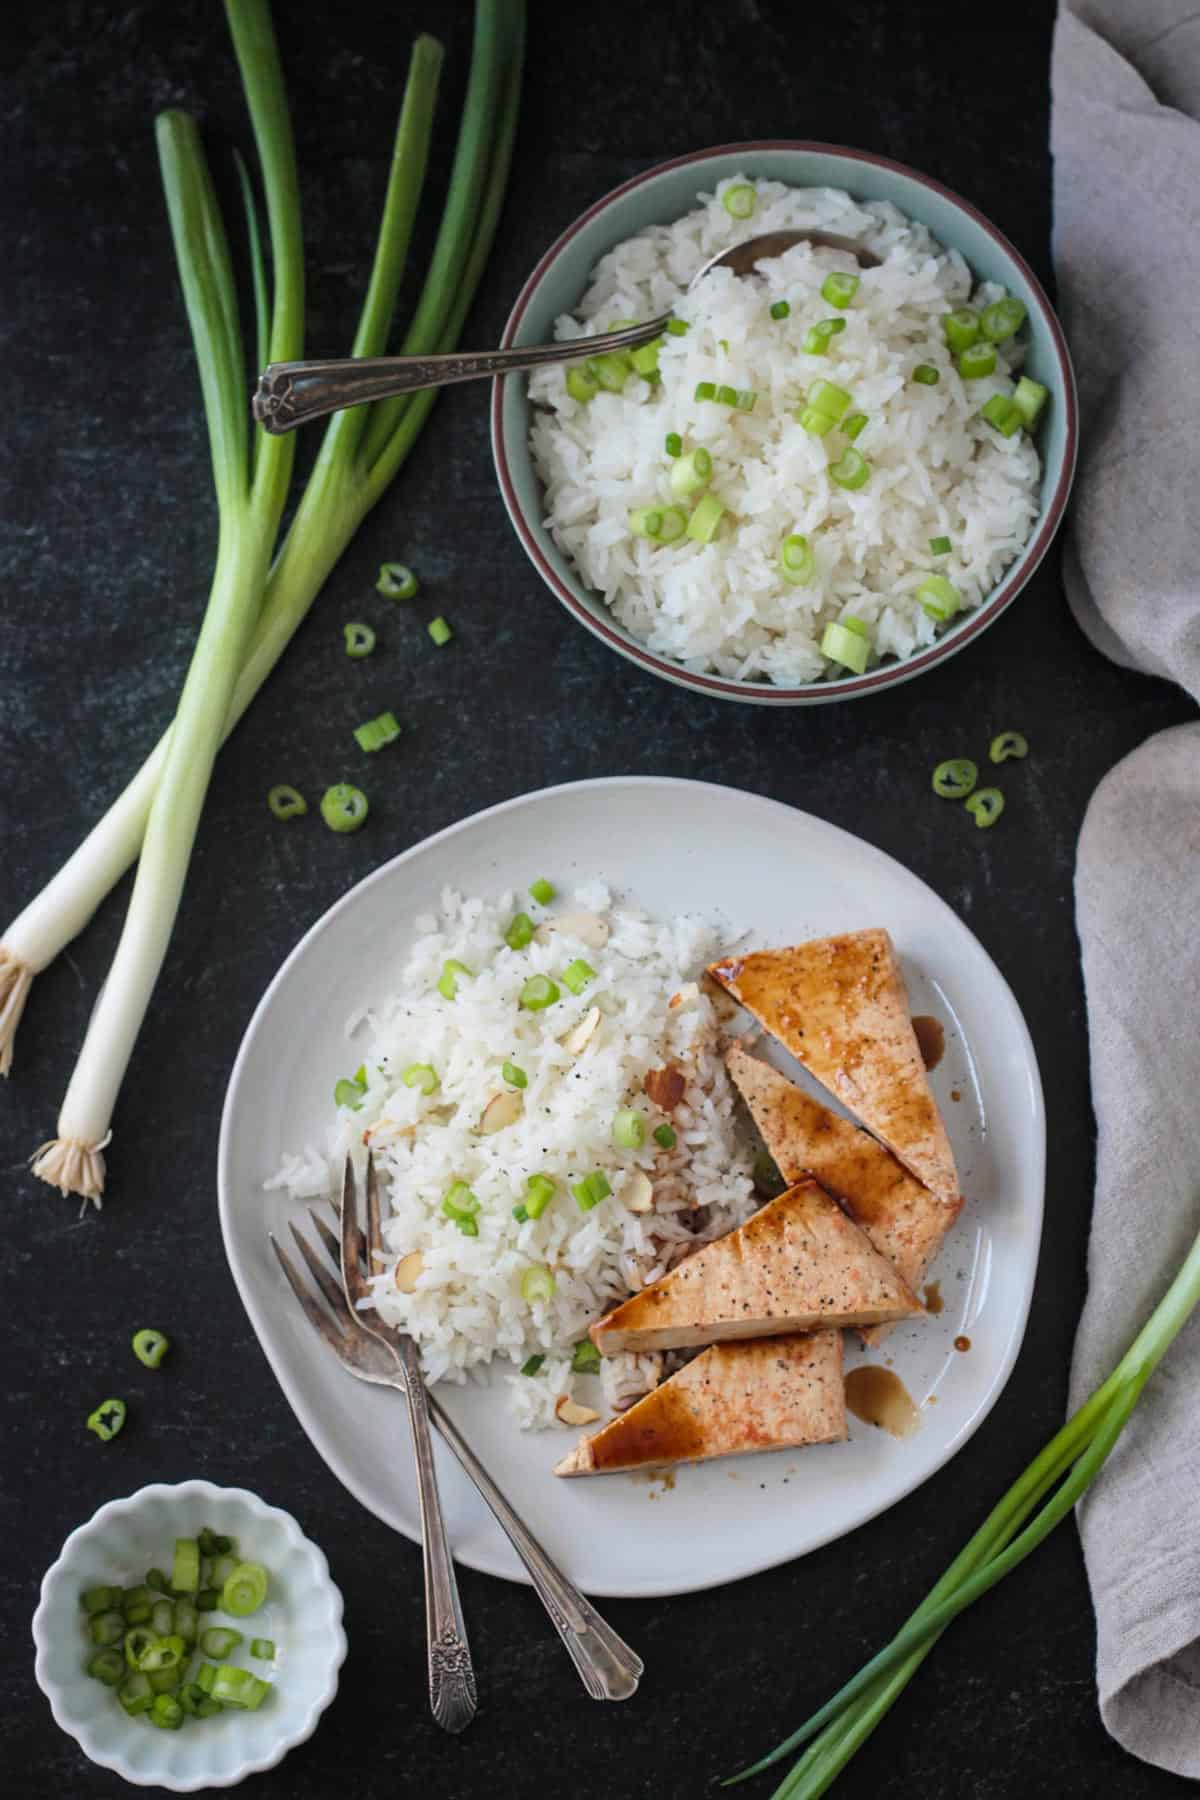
467, 1307
937, 468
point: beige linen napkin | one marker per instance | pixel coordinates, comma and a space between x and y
1126, 142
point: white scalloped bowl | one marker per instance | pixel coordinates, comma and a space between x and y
302, 1613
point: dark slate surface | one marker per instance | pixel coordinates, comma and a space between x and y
107, 540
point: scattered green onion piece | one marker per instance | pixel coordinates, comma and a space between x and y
677, 327
577, 974
940, 546
220, 1641
373, 734
629, 1130
780, 309
705, 390
515, 1077
99, 1599
664, 1135
955, 778
611, 370
532, 1365
468, 1227
207, 1600
1004, 317
537, 1283
674, 444
818, 423
585, 1359
797, 563
542, 891
839, 289
646, 521
422, 1076
106, 1628
207, 1540
842, 644
961, 328
828, 398
985, 805
164, 1681
150, 1347
239, 1688
852, 470
286, 802
223, 1568
538, 993
539, 1192
591, 1191
162, 1619
926, 375
726, 396
396, 581
815, 341
447, 983
205, 1676
856, 423
691, 472
185, 1619
674, 524
185, 1569
520, 1212
702, 526
138, 1615
460, 1202
856, 625
581, 386
191, 1698
440, 631
745, 399
107, 1665
520, 932
1029, 398
739, 200
107, 1419
977, 361
621, 324
360, 638
350, 1090
135, 1694
645, 357
245, 1590
1006, 745
343, 807
137, 1641
164, 1654
1003, 413
939, 598
263, 1649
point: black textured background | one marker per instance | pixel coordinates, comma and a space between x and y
107, 536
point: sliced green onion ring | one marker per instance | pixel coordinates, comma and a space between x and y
739, 200
986, 805
520, 932
396, 581
539, 1192
151, 1346
841, 643
343, 807
585, 1358
538, 993
360, 638
422, 1076
245, 1590
107, 1419
955, 778
286, 802
447, 982
1008, 744
629, 1130
839, 289
542, 891
706, 516
537, 1283
692, 472
514, 1075
852, 470
797, 564
373, 734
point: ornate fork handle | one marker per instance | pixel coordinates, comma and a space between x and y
293, 393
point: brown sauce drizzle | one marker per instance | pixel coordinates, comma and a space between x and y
879, 1397
933, 1297
931, 1038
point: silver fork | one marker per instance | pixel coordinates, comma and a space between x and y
609, 1669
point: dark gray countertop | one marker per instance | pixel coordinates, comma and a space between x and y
107, 537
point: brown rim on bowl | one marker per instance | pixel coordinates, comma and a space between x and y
769, 692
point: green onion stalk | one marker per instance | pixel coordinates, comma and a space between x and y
1043, 1496
362, 451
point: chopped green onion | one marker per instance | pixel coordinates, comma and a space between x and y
343, 807
107, 1419
828, 398
621, 325
99, 1599
664, 1135
164, 1655
396, 581
263, 1649
674, 444
137, 1603
539, 1192
955, 778
350, 1090
853, 624
976, 362
447, 982
629, 1130
1007, 744
239, 1688
1003, 413
208, 1600
468, 1227
816, 339
286, 802
611, 370
986, 805
727, 396
739, 200
646, 521
440, 631
856, 423
520, 932
577, 974
961, 328
460, 1202
780, 309
520, 1212
135, 1694
537, 1283
702, 526
852, 470
421, 1076
705, 390
841, 643
245, 1590
538, 993
677, 327
1029, 399
839, 289
542, 891
645, 357
744, 399
220, 1641
797, 564
138, 1642
585, 1359
515, 1077
532, 1365
162, 1619
691, 472
818, 423
674, 524
373, 734
926, 375
107, 1665
165, 1712
940, 546
939, 598
223, 1568
185, 1569
1000, 320
185, 1619
581, 386
591, 1191
150, 1347
360, 638
164, 1681
205, 1676
107, 1628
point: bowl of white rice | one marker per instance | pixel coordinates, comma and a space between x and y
812, 486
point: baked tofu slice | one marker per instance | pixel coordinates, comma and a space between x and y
840, 1006
768, 1394
904, 1221
799, 1264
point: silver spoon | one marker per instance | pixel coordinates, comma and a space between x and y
292, 393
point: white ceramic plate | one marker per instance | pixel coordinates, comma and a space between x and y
671, 846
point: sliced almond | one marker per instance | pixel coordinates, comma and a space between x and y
638, 1194
385, 1130
571, 1413
501, 1110
581, 1034
688, 995
665, 1087
586, 928
408, 1272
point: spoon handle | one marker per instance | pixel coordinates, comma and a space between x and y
292, 393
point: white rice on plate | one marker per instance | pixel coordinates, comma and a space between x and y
937, 468
467, 1308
